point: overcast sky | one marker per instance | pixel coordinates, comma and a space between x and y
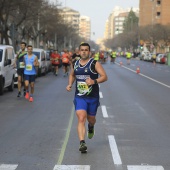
98, 11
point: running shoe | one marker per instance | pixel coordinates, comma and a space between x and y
31, 99
19, 94
90, 132
27, 95
83, 147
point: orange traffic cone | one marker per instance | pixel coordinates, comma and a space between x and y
121, 63
137, 70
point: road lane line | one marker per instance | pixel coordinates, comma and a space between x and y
62, 152
144, 167
114, 149
104, 111
8, 167
147, 77
72, 167
101, 95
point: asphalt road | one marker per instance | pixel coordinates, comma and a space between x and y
132, 128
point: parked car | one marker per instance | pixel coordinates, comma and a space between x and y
161, 58
145, 55
7, 71
40, 53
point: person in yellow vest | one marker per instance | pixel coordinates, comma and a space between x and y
154, 59
113, 56
96, 56
128, 57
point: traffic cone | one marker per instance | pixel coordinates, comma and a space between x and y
137, 70
121, 63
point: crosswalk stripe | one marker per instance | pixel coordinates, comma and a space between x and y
144, 167
8, 167
72, 167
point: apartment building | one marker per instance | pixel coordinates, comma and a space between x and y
71, 16
154, 12
85, 27
114, 23
119, 21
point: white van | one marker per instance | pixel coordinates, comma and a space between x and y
7, 71
40, 53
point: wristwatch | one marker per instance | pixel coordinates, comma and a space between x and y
95, 81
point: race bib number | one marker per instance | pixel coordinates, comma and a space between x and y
28, 67
82, 88
21, 65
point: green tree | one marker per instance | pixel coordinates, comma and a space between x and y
131, 22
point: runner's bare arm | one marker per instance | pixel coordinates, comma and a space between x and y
36, 63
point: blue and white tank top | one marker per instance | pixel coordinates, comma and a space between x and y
82, 73
29, 65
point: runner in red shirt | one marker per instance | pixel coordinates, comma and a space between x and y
66, 62
55, 60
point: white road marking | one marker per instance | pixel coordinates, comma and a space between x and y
8, 167
104, 111
101, 95
144, 167
115, 153
72, 167
147, 77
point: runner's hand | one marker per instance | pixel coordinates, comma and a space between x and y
89, 81
68, 88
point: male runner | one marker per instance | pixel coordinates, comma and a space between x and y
85, 72
65, 62
31, 61
20, 67
55, 59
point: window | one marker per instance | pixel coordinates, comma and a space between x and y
158, 14
6, 58
158, 2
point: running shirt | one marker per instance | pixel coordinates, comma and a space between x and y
20, 60
128, 55
113, 55
65, 58
82, 73
55, 58
29, 65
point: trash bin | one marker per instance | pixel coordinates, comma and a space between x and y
168, 58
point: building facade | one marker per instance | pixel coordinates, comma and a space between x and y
71, 16
119, 21
85, 28
115, 21
154, 12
